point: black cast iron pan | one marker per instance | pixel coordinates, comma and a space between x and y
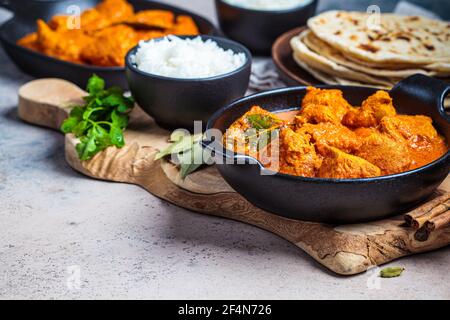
26, 12
330, 200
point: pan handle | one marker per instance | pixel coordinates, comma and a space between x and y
227, 156
420, 91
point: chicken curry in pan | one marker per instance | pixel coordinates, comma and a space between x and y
329, 138
103, 35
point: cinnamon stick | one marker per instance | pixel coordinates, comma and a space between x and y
428, 211
439, 222
422, 234
434, 213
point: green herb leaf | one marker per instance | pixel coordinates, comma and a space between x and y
116, 136
102, 137
391, 272
101, 121
80, 128
183, 144
191, 160
119, 120
187, 142
261, 122
95, 85
187, 151
177, 135
68, 124
115, 91
118, 101
87, 147
77, 112
187, 169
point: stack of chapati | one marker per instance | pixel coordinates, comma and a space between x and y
355, 48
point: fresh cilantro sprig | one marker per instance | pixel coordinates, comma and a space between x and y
100, 123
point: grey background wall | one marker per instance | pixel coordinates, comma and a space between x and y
440, 7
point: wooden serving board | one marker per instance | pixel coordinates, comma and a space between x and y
345, 249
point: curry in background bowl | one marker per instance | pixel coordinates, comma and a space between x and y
104, 34
41, 65
329, 138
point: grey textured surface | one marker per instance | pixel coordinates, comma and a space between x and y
58, 227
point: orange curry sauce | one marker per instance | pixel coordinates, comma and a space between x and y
329, 138
103, 35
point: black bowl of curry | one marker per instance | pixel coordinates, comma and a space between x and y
74, 39
309, 154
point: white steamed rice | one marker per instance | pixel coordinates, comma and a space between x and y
186, 58
268, 4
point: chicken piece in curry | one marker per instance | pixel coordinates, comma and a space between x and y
329, 138
103, 35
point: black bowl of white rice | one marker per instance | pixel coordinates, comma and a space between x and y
258, 23
181, 80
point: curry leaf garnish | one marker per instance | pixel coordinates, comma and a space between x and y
177, 135
391, 272
264, 129
179, 144
191, 160
261, 121
187, 152
99, 123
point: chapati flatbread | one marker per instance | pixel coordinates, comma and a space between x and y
319, 75
323, 64
396, 39
327, 51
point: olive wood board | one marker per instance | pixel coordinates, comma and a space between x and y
344, 249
